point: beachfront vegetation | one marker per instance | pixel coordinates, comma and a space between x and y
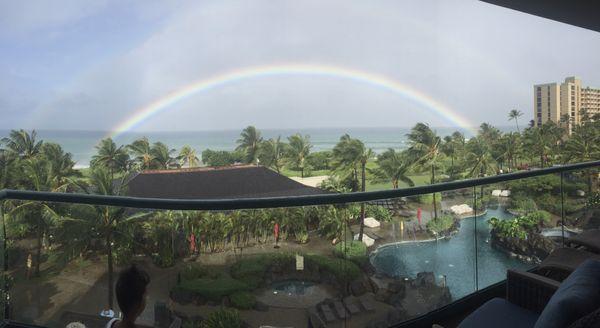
64, 233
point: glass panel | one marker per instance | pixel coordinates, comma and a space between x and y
581, 201
501, 237
423, 260
275, 267
289, 266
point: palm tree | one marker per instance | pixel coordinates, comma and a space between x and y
364, 158
50, 171
62, 164
489, 133
141, 151
425, 150
514, 115
114, 158
23, 144
249, 143
583, 145
272, 153
349, 154
480, 157
187, 156
453, 145
510, 146
345, 163
7, 180
163, 156
393, 166
108, 222
544, 141
298, 151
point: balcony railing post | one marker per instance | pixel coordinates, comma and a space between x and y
475, 237
4, 252
562, 208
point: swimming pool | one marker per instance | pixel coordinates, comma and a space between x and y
452, 260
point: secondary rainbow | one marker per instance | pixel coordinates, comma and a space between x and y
166, 102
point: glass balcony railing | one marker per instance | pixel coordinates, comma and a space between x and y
289, 261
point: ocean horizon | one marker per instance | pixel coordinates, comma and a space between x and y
81, 144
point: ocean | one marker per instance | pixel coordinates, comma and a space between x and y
81, 143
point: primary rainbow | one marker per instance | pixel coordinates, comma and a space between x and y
162, 104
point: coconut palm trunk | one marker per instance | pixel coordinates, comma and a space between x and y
38, 251
362, 205
435, 216
110, 269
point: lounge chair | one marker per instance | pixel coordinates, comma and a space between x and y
340, 310
562, 261
314, 318
533, 300
351, 306
590, 239
367, 303
327, 313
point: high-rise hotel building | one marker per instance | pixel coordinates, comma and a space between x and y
553, 101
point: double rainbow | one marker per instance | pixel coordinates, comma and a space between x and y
166, 102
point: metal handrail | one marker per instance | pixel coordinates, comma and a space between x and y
273, 202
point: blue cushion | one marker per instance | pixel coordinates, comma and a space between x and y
577, 296
500, 313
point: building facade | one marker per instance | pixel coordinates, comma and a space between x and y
563, 103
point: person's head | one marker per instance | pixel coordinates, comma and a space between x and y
131, 291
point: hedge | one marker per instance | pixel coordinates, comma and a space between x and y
343, 270
242, 300
354, 251
212, 289
223, 318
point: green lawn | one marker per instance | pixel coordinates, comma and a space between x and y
293, 173
418, 179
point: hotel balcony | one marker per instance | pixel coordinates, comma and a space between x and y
292, 258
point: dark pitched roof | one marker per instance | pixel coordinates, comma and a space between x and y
238, 181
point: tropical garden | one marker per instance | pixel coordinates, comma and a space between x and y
66, 233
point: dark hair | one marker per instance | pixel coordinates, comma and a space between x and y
130, 288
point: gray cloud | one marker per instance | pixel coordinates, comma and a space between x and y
479, 59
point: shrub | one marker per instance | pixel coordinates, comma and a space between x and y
122, 255
520, 226
593, 200
242, 300
212, 289
354, 251
189, 323
193, 271
380, 213
443, 223
164, 259
343, 270
301, 236
525, 205
223, 318
252, 270
320, 160
428, 198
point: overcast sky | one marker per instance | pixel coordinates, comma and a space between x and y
74, 64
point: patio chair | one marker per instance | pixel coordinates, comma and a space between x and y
589, 239
562, 261
536, 301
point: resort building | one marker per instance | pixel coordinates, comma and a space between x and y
555, 102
